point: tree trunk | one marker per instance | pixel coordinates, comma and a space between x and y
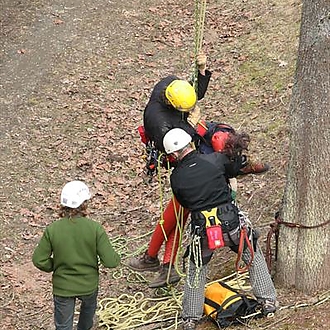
304, 254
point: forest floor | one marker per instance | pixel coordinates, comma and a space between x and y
74, 79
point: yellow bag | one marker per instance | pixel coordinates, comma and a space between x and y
225, 306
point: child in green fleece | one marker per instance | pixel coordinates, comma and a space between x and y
71, 248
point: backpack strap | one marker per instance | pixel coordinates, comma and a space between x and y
213, 304
224, 317
226, 307
225, 285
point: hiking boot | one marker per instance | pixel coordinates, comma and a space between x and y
254, 168
161, 281
267, 306
144, 263
189, 324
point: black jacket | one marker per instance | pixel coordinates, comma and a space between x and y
159, 118
200, 181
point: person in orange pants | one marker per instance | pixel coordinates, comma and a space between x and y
174, 218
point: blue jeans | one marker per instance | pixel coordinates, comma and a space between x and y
64, 311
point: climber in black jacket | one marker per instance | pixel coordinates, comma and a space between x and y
171, 103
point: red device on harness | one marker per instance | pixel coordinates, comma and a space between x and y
213, 229
215, 237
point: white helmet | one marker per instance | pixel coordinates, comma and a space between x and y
74, 193
175, 140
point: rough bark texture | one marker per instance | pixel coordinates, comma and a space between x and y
304, 254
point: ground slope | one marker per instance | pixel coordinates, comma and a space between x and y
74, 78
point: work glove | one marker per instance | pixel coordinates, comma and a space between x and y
201, 62
194, 116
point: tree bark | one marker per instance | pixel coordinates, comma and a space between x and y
304, 254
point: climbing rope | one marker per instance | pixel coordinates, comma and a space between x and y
316, 301
200, 10
161, 221
121, 245
137, 311
178, 232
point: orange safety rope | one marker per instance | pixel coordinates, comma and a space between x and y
274, 230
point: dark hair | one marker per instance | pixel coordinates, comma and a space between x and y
164, 99
235, 144
68, 212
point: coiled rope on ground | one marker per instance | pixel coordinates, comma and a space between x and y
121, 245
137, 311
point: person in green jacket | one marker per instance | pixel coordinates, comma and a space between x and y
72, 248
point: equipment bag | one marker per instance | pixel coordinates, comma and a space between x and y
225, 306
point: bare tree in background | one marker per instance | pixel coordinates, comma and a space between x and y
304, 253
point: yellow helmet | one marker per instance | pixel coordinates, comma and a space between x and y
181, 95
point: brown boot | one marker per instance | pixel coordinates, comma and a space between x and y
254, 168
161, 281
144, 263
